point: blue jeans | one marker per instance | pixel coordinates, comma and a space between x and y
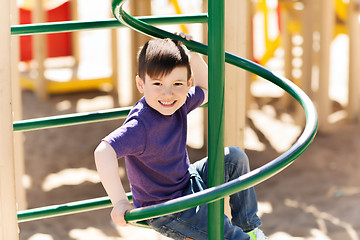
192, 223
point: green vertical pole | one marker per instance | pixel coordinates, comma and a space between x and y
216, 114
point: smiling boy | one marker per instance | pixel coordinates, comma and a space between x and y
153, 142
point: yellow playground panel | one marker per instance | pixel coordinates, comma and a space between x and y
268, 27
74, 85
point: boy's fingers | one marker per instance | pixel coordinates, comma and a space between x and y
119, 220
184, 35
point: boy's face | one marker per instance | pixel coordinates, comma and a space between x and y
168, 93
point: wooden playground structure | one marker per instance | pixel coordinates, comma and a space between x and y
323, 17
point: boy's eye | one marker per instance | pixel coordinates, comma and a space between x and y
178, 84
157, 84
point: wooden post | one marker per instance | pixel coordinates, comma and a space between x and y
307, 29
138, 8
75, 35
354, 58
307, 32
115, 65
17, 114
287, 43
39, 50
238, 42
326, 35
8, 218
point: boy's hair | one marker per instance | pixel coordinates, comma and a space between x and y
158, 57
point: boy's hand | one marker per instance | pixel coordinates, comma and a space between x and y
118, 212
184, 35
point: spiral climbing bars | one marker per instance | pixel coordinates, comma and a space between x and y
217, 58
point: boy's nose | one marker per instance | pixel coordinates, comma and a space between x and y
167, 91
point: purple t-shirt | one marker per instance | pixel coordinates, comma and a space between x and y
154, 147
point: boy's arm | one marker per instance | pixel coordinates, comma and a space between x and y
107, 167
199, 68
200, 73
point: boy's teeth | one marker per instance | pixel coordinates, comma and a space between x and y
167, 103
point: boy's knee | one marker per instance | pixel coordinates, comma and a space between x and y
237, 156
237, 152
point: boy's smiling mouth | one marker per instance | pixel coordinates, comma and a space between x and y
167, 103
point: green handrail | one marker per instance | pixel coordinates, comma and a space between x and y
254, 177
71, 26
215, 193
66, 209
63, 209
216, 114
70, 119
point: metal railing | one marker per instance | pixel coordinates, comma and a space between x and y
211, 194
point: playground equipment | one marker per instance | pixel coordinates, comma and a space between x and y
270, 16
66, 44
269, 33
217, 57
276, 21
178, 11
324, 20
57, 45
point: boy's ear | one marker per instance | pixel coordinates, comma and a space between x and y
190, 82
139, 84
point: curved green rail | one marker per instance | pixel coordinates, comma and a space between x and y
176, 205
70, 119
70, 26
254, 177
65, 209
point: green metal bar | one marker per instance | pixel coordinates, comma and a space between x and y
254, 177
70, 119
215, 193
216, 53
65, 209
71, 26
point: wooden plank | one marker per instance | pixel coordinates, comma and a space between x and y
75, 35
8, 219
39, 47
237, 41
307, 32
17, 114
354, 59
327, 21
138, 8
115, 64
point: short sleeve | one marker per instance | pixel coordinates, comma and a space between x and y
195, 98
129, 139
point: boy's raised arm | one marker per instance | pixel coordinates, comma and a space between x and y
200, 73
199, 68
107, 167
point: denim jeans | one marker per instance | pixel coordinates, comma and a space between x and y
192, 223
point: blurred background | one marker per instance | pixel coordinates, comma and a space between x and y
313, 43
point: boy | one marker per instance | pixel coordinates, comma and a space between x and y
153, 142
